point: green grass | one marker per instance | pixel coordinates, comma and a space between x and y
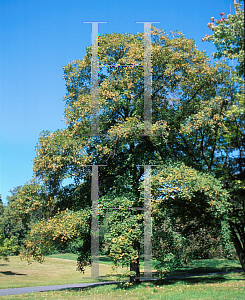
196, 266
104, 259
61, 269
17, 273
69, 256
208, 266
204, 287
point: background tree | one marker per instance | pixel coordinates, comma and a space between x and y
9, 245
17, 218
1, 206
228, 37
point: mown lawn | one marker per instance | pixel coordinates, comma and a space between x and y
205, 287
61, 269
196, 267
17, 273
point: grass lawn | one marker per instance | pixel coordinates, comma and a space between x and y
104, 259
17, 273
61, 269
205, 287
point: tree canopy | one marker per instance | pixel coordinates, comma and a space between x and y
192, 132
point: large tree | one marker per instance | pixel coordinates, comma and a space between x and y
189, 99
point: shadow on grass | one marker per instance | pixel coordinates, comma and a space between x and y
12, 273
104, 258
78, 289
165, 282
193, 280
200, 270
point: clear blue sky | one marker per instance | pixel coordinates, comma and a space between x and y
38, 38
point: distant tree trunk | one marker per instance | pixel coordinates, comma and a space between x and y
238, 246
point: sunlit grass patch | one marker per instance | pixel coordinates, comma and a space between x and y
17, 273
230, 286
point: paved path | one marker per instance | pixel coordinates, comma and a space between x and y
35, 289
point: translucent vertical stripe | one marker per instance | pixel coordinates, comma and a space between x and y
94, 131
147, 223
94, 79
147, 78
95, 223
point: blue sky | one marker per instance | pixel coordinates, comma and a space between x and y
38, 38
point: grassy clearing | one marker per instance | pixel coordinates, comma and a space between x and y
230, 286
17, 273
61, 269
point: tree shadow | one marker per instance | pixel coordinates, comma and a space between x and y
12, 273
86, 288
162, 282
195, 280
105, 259
199, 270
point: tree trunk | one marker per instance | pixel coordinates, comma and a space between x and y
238, 246
135, 266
